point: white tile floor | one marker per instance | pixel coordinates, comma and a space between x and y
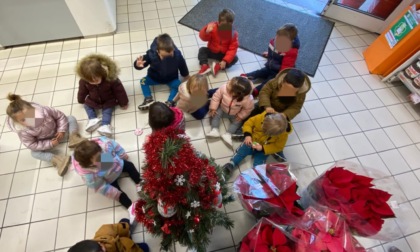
349, 114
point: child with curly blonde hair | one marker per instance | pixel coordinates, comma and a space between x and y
100, 88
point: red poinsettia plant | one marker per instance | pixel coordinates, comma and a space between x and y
363, 207
267, 237
324, 232
269, 191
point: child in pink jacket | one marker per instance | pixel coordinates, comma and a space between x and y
234, 101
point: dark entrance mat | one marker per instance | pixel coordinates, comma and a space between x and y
257, 22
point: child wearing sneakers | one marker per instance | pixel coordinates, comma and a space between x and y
234, 101
41, 129
100, 163
192, 96
100, 88
288, 42
265, 134
222, 43
165, 61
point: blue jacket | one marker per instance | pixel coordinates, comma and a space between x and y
278, 61
166, 70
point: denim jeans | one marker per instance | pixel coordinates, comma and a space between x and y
264, 73
106, 114
234, 125
47, 155
146, 82
245, 150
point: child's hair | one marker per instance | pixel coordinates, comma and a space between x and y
86, 246
97, 66
295, 77
240, 87
199, 82
289, 30
84, 152
160, 116
16, 105
165, 43
227, 15
274, 124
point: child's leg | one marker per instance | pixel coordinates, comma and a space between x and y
129, 168
234, 124
174, 89
73, 126
269, 77
145, 84
215, 120
124, 199
201, 112
262, 73
42, 155
259, 158
240, 153
90, 112
233, 62
107, 116
203, 55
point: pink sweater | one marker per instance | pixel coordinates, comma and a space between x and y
230, 106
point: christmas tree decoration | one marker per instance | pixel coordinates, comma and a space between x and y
180, 189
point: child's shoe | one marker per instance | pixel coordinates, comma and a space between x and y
227, 137
93, 124
214, 133
204, 69
394, 249
238, 137
255, 92
75, 139
61, 163
215, 68
170, 104
228, 169
279, 157
105, 130
146, 103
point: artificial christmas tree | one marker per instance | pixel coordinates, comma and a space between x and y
181, 192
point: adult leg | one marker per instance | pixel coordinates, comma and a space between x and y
173, 85
107, 116
129, 168
124, 199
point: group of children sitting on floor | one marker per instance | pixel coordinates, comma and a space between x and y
264, 125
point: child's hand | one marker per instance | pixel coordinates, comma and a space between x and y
140, 62
54, 142
212, 112
270, 110
59, 136
124, 107
210, 28
257, 146
248, 140
265, 54
238, 119
222, 64
124, 156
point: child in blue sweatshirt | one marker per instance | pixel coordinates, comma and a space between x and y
165, 61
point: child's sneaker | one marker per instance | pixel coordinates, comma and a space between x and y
215, 68
238, 137
228, 169
170, 104
204, 69
105, 130
227, 137
214, 133
93, 124
279, 157
146, 103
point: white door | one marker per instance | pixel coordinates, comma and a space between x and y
371, 15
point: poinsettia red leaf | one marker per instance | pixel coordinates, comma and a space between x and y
278, 238
266, 235
244, 247
262, 248
379, 194
344, 194
362, 180
283, 249
340, 176
383, 210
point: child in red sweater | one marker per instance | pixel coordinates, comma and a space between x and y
222, 43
